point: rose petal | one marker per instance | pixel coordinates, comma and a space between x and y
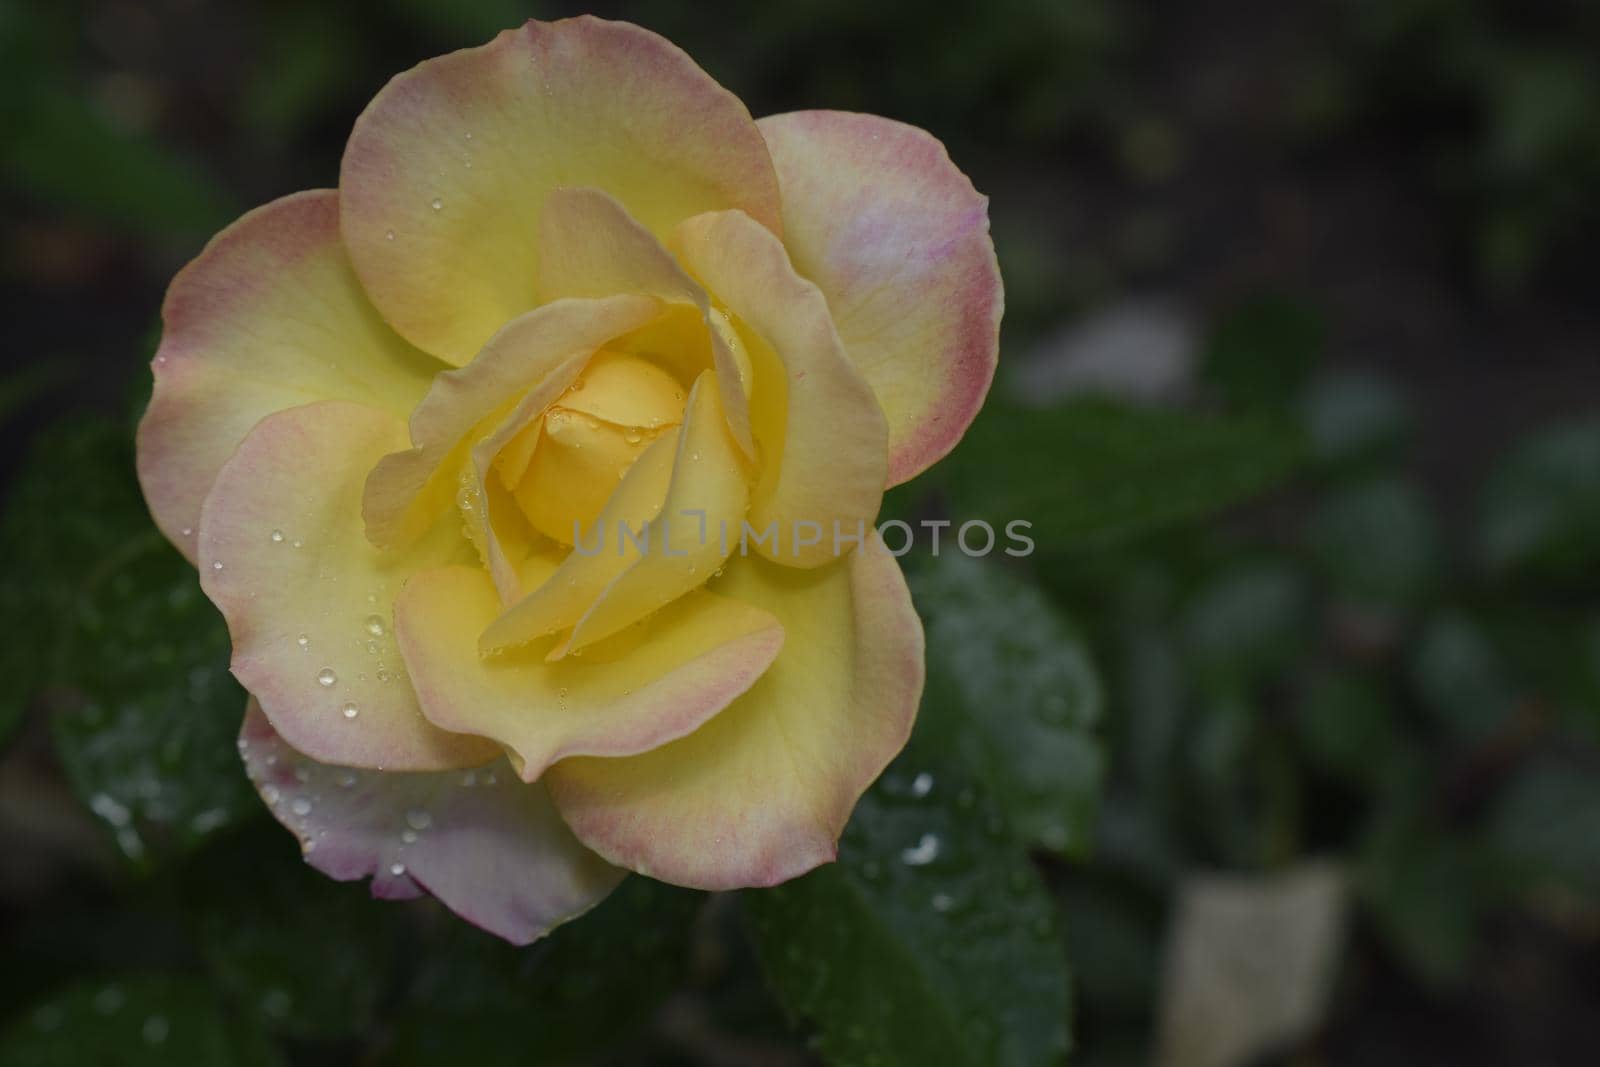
823, 437
761, 792
593, 247
269, 316
559, 600
875, 213
576, 102
628, 695
283, 555
490, 848
520, 371
696, 530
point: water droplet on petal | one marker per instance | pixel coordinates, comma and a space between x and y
301, 806
351, 711
375, 625
277, 537
326, 677
388, 235
418, 819
437, 204
397, 869
216, 565
303, 641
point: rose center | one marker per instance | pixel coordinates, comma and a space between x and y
589, 438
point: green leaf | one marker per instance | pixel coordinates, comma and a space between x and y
303, 955
151, 746
1261, 352
1091, 474
1347, 726
1352, 415
1547, 824
581, 991
1541, 510
1012, 690
1245, 623
1461, 678
134, 1022
932, 939
1376, 543
114, 620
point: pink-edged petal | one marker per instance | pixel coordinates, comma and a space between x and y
823, 436
525, 366
447, 171
492, 849
269, 316
761, 792
625, 696
307, 598
879, 217
593, 247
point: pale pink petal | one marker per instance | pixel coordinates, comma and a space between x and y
491, 848
879, 217
269, 316
308, 600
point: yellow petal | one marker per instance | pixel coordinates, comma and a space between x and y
308, 599
561, 599
696, 530
593, 247
822, 435
269, 316
447, 171
897, 238
624, 696
525, 367
761, 792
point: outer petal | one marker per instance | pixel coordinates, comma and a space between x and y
875, 213
283, 555
761, 793
628, 695
492, 849
267, 317
456, 157
823, 433
534, 358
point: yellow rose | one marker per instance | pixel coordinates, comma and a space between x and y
568, 293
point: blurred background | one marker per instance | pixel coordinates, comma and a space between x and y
1296, 710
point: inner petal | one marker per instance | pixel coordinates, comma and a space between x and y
589, 439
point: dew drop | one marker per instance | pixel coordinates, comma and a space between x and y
188, 531
269, 793
303, 641
397, 869
388, 235
298, 543
924, 852
350, 711
437, 204
277, 537
301, 806
418, 819
326, 677
216, 565
922, 784
943, 902
375, 625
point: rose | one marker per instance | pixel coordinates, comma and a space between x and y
603, 295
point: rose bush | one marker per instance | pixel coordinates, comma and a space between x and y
605, 298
